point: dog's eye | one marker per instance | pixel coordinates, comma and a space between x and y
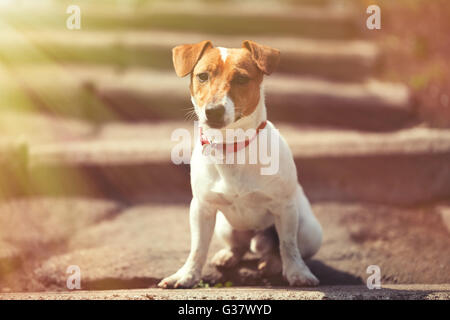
241, 79
202, 77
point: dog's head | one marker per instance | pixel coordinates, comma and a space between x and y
225, 83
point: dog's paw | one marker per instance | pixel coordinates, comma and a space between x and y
301, 277
180, 281
226, 258
270, 265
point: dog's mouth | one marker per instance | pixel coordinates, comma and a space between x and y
215, 124
221, 124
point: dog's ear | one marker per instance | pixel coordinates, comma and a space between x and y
266, 58
186, 56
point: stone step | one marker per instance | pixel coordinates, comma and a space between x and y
137, 246
331, 59
133, 163
19, 131
104, 93
330, 21
343, 292
34, 229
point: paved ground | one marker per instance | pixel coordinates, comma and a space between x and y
137, 246
388, 292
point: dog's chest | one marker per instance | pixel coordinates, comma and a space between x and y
242, 201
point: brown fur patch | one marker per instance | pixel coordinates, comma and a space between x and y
225, 78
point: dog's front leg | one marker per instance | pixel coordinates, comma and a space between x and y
294, 268
202, 221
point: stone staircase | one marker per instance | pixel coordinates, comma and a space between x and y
88, 115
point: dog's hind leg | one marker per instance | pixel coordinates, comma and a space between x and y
237, 243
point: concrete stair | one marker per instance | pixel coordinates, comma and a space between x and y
328, 22
105, 94
132, 163
344, 292
119, 247
330, 59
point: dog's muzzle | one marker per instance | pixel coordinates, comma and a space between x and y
215, 115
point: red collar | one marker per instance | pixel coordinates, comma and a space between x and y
232, 147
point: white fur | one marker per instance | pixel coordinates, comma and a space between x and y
223, 53
247, 203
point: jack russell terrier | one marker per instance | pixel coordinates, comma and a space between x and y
247, 210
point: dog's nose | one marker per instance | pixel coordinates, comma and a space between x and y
215, 113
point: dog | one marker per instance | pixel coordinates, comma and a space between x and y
267, 214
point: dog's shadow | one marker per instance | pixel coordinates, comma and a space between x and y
246, 273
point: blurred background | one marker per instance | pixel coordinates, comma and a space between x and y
86, 118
